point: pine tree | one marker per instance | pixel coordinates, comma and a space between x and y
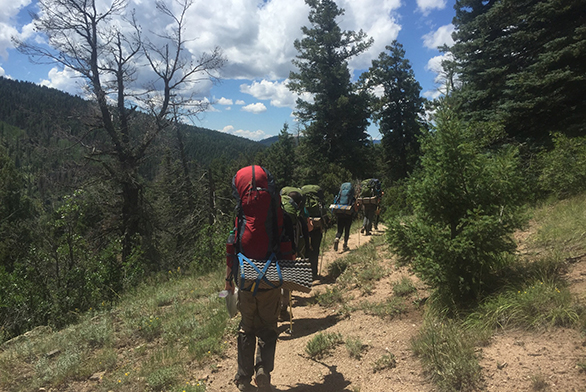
522, 63
398, 111
337, 116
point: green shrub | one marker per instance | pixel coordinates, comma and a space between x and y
404, 287
330, 297
535, 306
322, 343
354, 347
337, 267
564, 168
447, 352
466, 207
387, 361
389, 308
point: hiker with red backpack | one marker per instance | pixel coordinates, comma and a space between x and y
344, 208
259, 234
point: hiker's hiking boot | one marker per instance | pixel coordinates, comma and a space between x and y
336, 242
346, 248
263, 381
245, 386
362, 229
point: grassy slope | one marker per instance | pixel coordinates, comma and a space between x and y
146, 340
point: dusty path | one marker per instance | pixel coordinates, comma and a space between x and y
296, 372
513, 360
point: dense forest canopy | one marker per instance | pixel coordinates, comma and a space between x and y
522, 64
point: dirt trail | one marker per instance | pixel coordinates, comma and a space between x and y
296, 372
513, 361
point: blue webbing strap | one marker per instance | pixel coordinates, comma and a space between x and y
260, 274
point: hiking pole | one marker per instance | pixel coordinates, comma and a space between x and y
290, 313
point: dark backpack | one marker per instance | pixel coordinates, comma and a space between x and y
378, 188
259, 230
314, 200
345, 195
367, 187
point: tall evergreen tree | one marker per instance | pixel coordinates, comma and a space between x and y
397, 110
337, 116
523, 63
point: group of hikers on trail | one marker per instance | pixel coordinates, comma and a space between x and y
273, 249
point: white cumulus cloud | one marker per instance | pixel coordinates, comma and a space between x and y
255, 37
225, 101
64, 80
254, 135
275, 92
425, 6
435, 65
255, 108
9, 10
441, 36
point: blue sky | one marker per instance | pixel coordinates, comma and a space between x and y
256, 37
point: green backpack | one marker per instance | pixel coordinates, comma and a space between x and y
314, 200
366, 190
292, 210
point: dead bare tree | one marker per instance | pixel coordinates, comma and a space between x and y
108, 49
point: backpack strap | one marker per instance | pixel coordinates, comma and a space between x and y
261, 275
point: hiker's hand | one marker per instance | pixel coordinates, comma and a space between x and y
229, 286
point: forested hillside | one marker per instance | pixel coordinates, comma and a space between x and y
59, 210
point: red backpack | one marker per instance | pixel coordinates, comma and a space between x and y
259, 225
259, 249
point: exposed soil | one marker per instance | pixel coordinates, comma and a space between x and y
513, 360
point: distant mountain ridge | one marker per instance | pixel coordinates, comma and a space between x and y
44, 113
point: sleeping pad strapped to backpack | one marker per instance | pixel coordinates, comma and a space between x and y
344, 201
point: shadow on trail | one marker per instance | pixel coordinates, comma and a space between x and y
334, 381
306, 326
301, 302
